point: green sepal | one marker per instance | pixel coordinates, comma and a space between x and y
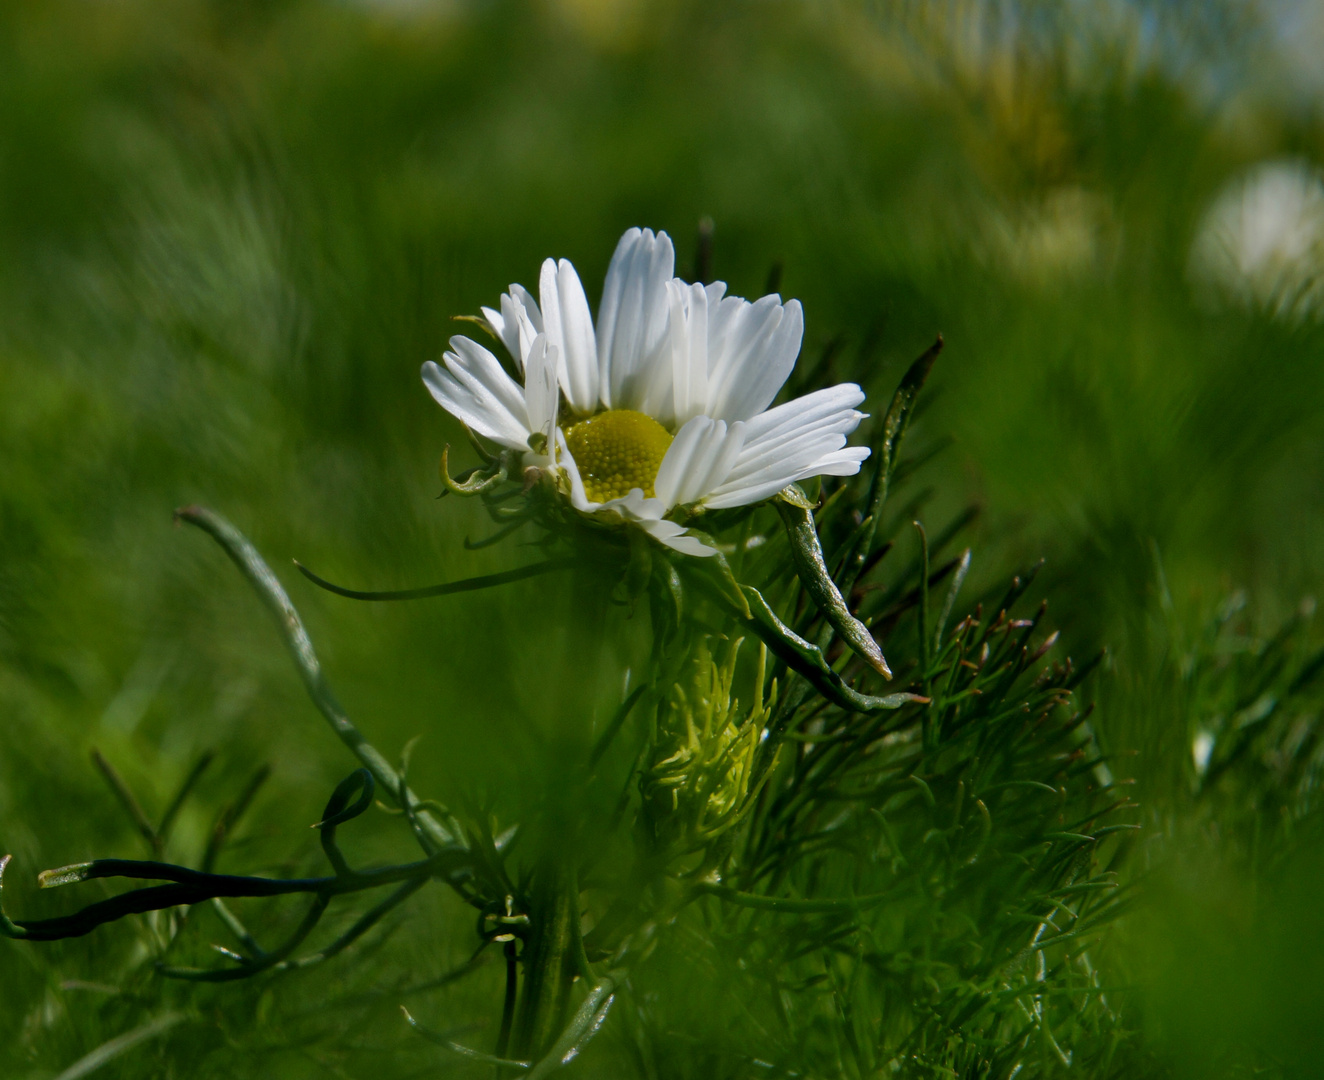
481, 323
795, 495
797, 514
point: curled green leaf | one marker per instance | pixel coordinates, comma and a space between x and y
474, 481
338, 808
807, 551
807, 659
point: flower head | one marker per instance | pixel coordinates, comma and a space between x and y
666, 399
1262, 241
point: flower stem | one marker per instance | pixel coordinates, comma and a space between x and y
549, 967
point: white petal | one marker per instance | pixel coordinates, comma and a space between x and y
523, 299
517, 323
524, 321
452, 396
475, 389
498, 325
578, 497
782, 449
745, 492
777, 469
825, 456
723, 312
805, 437
844, 462
688, 332
636, 506
632, 320
541, 393
675, 537
832, 406
647, 514
752, 354
698, 460
569, 327
650, 391
785, 456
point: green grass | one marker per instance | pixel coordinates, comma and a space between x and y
230, 233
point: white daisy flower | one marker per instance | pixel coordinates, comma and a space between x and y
665, 401
1262, 241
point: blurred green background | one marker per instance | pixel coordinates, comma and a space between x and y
230, 233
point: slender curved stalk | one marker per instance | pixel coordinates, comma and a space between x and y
109, 1050
614, 725
807, 552
510, 1000
439, 833
958, 579
241, 933
483, 581
463, 1051
247, 969
361, 926
229, 817
185, 789
807, 659
128, 800
193, 887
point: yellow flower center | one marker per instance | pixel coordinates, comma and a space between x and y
616, 451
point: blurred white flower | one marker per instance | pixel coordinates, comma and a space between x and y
665, 400
1065, 233
1261, 243
1202, 749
